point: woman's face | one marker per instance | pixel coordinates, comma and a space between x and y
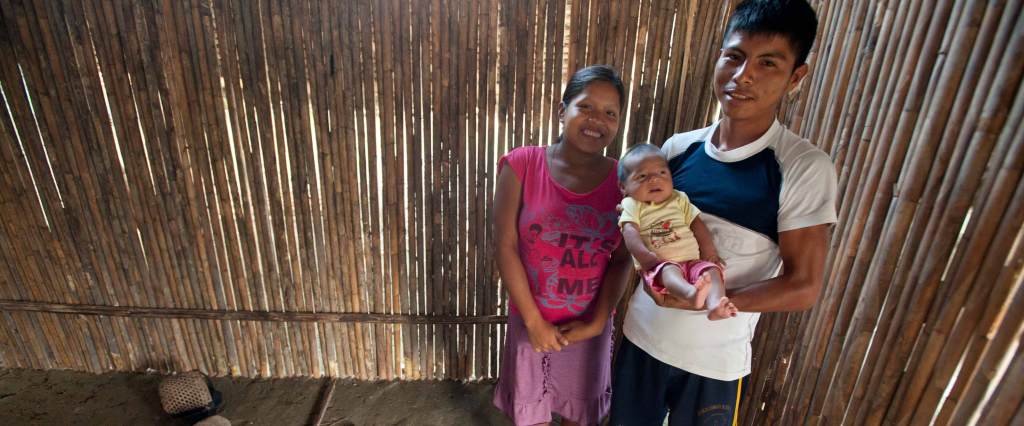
591, 120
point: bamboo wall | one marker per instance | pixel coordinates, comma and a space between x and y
278, 188
302, 188
920, 104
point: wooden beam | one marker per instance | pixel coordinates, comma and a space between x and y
220, 314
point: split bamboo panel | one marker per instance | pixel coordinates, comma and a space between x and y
920, 105
280, 188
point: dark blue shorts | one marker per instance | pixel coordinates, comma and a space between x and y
645, 389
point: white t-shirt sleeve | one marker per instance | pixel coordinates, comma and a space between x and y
679, 142
809, 188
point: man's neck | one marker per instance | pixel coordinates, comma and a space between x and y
732, 134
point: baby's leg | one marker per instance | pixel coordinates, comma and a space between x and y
719, 306
673, 279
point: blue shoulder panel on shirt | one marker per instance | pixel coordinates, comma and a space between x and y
745, 192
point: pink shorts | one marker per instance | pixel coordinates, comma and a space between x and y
692, 269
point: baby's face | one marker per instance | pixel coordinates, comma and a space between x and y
650, 180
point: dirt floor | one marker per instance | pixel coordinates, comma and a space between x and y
31, 397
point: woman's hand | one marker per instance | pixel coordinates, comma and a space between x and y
669, 301
577, 331
545, 337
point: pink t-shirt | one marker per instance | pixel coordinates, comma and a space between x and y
565, 238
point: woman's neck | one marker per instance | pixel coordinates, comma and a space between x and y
732, 133
574, 157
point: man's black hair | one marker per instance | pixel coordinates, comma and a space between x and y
638, 149
793, 19
583, 77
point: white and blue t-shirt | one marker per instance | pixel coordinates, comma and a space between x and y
747, 196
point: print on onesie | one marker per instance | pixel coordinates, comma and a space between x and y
662, 234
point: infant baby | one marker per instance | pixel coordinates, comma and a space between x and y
670, 245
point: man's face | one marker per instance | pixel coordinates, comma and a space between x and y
753, 73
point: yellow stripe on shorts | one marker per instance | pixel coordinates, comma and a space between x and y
736, 409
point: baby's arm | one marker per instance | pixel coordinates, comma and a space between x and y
645, 257
704, 241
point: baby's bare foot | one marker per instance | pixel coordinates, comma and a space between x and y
703, 286
724, 310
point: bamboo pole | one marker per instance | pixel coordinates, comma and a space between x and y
32, 147
1007, 396
868, 217
494, 141
997, 338
640, 55
933, 121
383, 95
345, 115
449, 171
420, 131
323, 203
41, 111
223, 314
867, 71
941, 158
981, 342
852, 213
993, 117
168, 266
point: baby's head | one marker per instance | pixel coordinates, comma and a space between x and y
644, 174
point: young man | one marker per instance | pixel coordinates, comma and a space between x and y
768, 198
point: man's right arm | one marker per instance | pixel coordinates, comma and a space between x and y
803, 253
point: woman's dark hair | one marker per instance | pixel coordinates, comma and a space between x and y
584, 76
793, 19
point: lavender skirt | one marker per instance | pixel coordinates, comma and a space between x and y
575, 383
